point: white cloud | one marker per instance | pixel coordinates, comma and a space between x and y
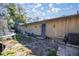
27, 10
42, 8
38, 5
50, 5
55, 10
43, 14
70, 6
36, 12
48, 11
58, 3
34, 8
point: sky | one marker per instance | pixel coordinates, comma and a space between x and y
50, 10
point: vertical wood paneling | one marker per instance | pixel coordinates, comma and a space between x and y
57, 28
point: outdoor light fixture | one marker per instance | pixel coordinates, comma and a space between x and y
54, 25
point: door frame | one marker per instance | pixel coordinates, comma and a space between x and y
43, 30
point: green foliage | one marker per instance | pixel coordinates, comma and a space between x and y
20, 18
18, 37
15, 12
8, 53
11, 9
51, 52
29, 38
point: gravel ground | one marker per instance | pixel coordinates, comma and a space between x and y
39, 47
30, 46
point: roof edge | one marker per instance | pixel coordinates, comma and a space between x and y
53, 19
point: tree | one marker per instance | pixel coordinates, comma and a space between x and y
20, 16
15, 13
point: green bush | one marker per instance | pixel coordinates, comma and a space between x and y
51, 52
8, 53
30, 38
17, 36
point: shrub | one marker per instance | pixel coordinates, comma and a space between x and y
51, 52
30, 38
8, 53
17, 36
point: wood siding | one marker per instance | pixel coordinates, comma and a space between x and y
56, 28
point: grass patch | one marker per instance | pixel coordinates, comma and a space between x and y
51, 52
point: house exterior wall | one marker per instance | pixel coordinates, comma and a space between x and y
35, 28
56, 28
62, 27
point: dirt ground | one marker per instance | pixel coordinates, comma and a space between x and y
14, 48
